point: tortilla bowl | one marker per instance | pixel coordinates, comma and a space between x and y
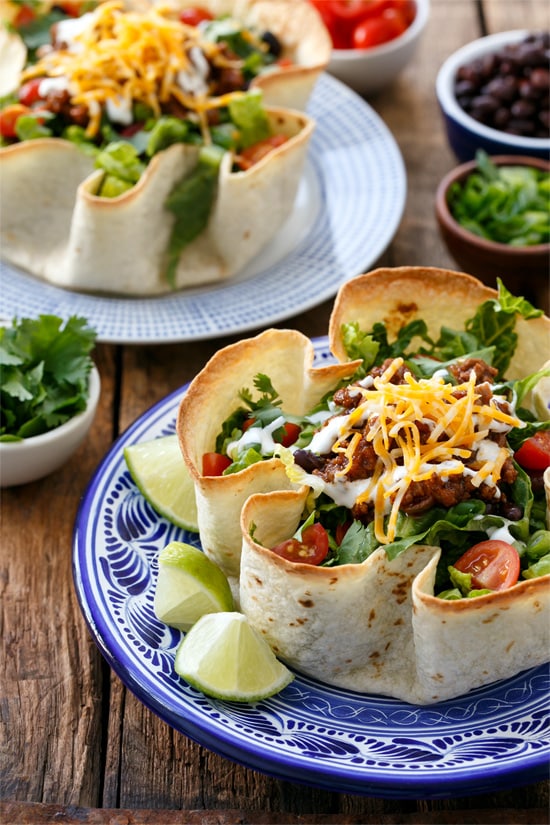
440, 297
117, 245
377, 626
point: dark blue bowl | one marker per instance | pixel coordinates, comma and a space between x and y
467, 135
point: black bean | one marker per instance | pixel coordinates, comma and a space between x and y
307, 460
523, 109
509, 89
273, 43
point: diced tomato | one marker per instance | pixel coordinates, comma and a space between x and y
248, 422
285, 63
132, 129
492, 564
29, 92
373, 32
194, 15
72, 8
24, 16
253, 154
9, 117
213, 464
292, 431
312, 548
534, 453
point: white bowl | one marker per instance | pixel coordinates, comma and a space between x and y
369, 70
466, 134
36, 457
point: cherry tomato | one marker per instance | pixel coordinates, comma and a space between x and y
213, 464
534, 453
194, 15
346, 20
29, 92
24, 16
253, 154
292, 431
9, 117
312, 548
493, 565
373, 32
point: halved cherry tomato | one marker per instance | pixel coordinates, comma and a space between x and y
492, 564
312, 548
213, 464
9, 117
373, 32
252, 154
534, 453
194, 15
29, 92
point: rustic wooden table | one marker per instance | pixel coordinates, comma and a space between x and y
77, 746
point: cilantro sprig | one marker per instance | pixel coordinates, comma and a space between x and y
44, 370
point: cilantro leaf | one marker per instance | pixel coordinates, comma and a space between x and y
44, 377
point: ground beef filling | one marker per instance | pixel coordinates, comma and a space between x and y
434, 491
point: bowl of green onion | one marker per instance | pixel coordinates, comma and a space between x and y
494, 217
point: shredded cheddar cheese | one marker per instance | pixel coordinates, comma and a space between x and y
418, 429
127, 57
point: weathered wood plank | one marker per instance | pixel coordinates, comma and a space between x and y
51, 675
14, 813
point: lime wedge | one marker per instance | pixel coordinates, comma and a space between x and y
159, 472
188, 586
225, 657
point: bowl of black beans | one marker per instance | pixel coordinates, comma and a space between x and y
494, 95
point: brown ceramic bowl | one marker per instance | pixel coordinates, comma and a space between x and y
523, 270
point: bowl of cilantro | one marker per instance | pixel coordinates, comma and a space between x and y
493, 215
49, 391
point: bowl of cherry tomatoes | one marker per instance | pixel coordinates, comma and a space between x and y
373, 40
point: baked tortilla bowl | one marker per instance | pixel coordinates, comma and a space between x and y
287, 357
377, 627
117, 245
438, 296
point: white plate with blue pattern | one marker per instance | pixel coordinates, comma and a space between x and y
494, 737
347, 210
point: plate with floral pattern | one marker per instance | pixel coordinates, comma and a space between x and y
494, 737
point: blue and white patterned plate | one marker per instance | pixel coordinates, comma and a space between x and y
497, 736
347, 210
